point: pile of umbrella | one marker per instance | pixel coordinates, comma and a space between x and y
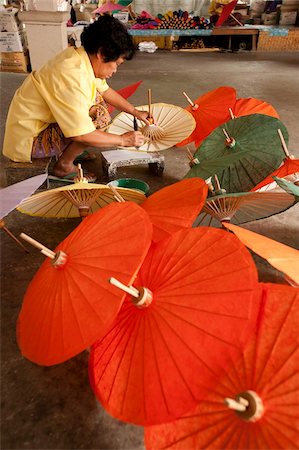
184, 340
182, 20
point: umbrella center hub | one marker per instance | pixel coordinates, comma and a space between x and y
230, 142
254, 409
153, 132
145, 298
60, 260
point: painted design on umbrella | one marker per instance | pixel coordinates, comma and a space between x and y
69, 303
241, 153
171, 125
280, 256
126, 92
76, 200
289, 170
247, 106
147, 368
209, 111
11, 197
175, 207
261, 387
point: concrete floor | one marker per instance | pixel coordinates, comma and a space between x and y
54, 408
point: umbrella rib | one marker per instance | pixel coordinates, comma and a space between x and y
194, 326
277, 371
276, 431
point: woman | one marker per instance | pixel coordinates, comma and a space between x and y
60, 109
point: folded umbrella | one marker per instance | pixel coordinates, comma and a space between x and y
69, 303
198, 287
254, 403
242, 152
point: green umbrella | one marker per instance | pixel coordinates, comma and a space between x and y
243, 207
242, 152
288, 186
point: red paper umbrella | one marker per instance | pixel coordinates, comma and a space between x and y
247, 106
126, 92
175, 206
261, 389
226, 12
147, 368
209, 111
289, 167
69, 302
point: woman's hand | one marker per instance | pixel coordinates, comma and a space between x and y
132, 139
141, 115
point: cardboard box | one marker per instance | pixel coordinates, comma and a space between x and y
9, 21
13, 42
15, 62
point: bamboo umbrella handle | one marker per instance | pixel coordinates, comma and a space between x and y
231, 113
128, 289
193, 105
116, 194
239, 405
284, 145
240, 23
2, 225
38, 245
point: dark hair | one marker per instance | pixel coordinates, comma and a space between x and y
109, 37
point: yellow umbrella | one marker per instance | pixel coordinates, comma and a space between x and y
280, 256
76, 200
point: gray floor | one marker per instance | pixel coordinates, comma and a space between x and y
54, 408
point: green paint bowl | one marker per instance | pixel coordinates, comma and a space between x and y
131, 183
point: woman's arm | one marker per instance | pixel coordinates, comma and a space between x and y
101, 139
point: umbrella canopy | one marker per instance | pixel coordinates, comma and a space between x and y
11, 196
242, 152
280, 256
287, 169
171, 125
265, 376
108, 7
175, 207
243, 207
209, 111
126, 92
67, 305
75, 200
147, 368
247, 106
226, 12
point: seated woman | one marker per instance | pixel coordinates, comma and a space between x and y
60, 109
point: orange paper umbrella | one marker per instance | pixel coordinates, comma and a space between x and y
175, 207
69, 302
289, 169
247, 106
209, 111
280, 256
261, 387
147, 368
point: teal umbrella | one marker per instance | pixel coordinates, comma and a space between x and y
288, 186
242, 152
243, 207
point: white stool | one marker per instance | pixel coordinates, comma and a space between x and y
112, 159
